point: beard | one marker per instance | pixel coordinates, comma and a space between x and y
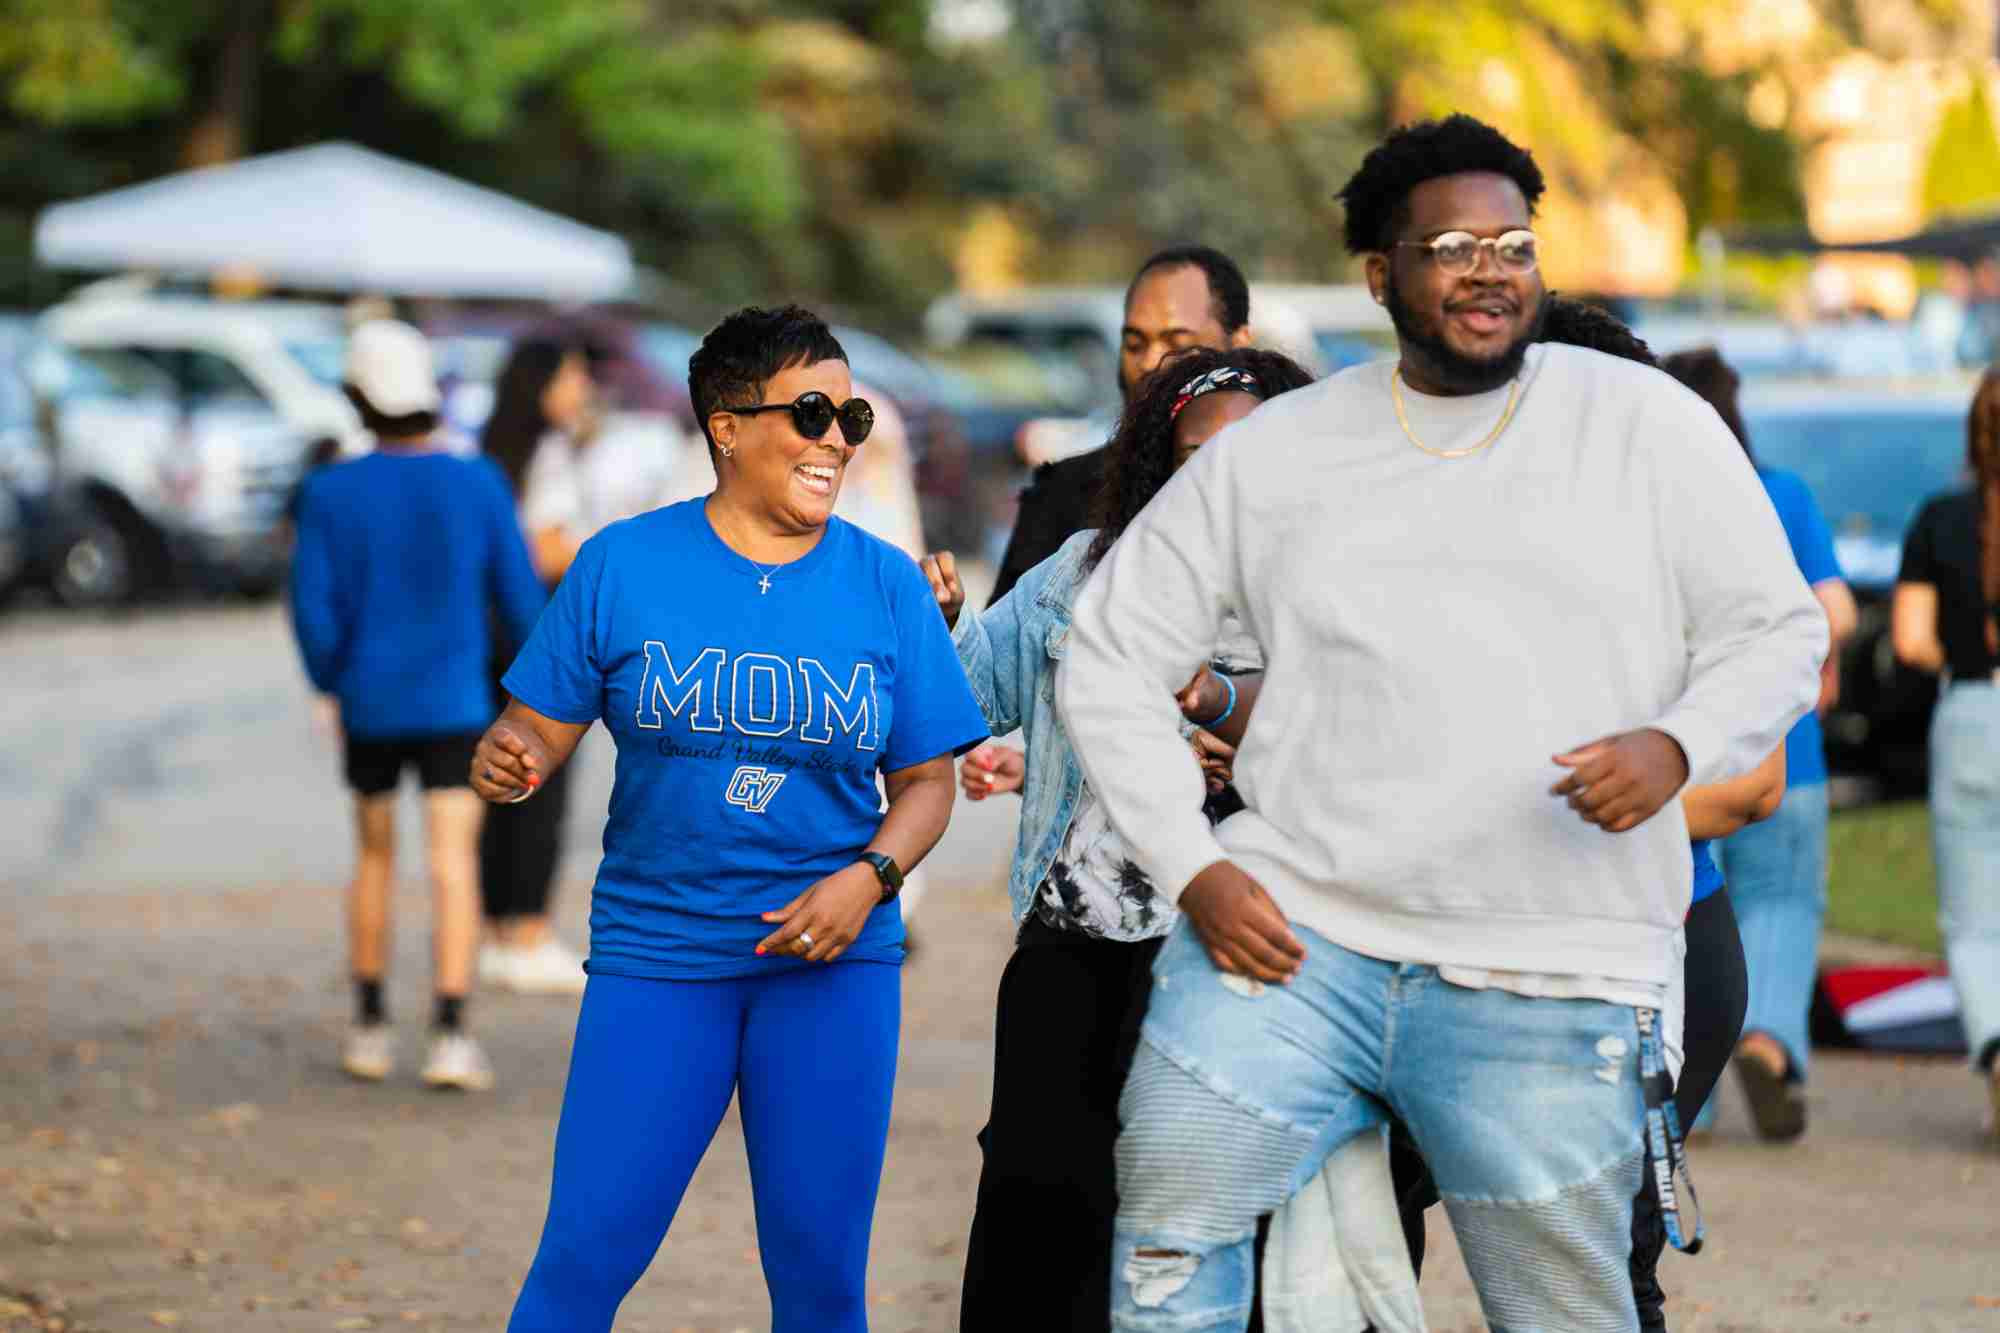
1467, 374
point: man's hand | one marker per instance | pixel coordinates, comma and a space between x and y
1203, 698
991, 770
1620, 782
1243, 929
942, 570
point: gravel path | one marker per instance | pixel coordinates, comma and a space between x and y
179, 1150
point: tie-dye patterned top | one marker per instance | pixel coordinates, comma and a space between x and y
1093, 885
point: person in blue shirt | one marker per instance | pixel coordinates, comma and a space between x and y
399, 554
757, 662
1777, 869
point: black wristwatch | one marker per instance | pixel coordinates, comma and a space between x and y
888, 872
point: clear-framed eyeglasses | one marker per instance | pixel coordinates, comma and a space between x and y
1456, 253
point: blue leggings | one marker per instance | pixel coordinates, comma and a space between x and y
811, 1055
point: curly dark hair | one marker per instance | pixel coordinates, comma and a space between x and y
1581, 324
747, 351
1378, 194
1141, 452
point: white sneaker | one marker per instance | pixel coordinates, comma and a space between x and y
495, 962
550, 968
456, 1061
369, 1052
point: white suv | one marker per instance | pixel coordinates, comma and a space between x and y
150, 481
284, 355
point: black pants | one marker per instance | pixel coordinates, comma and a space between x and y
518, 849
1040, 1252
1718, 992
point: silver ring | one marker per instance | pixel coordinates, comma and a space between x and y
806, 938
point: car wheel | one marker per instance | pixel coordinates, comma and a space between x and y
260, 587
93, 564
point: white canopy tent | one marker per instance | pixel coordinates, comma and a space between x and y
338, 217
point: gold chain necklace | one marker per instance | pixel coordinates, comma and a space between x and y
1403, 418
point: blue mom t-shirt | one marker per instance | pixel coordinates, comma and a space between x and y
750, 727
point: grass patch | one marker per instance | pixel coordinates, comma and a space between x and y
1882, 884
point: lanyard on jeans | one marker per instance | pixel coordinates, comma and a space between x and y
1666, 1156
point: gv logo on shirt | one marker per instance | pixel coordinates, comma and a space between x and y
752, 788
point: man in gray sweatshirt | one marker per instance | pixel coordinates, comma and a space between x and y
1512, 598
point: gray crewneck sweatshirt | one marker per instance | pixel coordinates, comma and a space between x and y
1436, 631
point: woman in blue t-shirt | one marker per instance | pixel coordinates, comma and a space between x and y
757, 662
1777, 869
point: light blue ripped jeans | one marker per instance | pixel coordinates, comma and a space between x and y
1529, 1112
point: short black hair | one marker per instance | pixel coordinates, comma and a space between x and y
1227, 288
1581, 324
748, 350
1378, 194
407, 426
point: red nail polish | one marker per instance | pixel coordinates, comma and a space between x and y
760, 951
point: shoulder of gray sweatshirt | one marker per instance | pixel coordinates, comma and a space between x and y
1436, 631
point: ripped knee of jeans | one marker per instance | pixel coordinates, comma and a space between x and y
1155, 1275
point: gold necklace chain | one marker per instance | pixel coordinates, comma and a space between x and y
1403, 418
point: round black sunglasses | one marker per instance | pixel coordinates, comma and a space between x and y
813, 414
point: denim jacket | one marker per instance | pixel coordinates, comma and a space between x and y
1009, 654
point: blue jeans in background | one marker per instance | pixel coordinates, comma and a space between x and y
1776, 872
1528, 1111
1965, 838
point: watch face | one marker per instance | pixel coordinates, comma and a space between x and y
886, 869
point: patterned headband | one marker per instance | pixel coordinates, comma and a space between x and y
1222, 377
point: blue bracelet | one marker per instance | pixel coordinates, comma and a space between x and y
1229, 685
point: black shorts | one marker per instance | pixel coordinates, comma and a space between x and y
375, 766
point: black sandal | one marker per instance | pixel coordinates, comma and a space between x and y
1777, 1104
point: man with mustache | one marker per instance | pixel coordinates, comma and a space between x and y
1187, 297
1183, 298
1512, 599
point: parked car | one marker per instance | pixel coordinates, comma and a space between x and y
25, 468
1762, 346
1871, 456
148, 483
284, 356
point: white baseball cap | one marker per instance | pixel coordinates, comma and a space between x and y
389, 364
